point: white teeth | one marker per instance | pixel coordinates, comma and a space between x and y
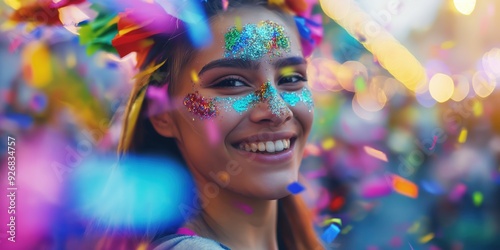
262, 147
268, 146
278, 145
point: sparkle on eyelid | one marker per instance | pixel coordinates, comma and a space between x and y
253, 41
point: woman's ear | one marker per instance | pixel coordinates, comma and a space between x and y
163, 124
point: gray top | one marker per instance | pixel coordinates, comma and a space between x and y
188, 242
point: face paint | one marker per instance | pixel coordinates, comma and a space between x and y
198, 105
293, 98
207, 108
266, 93
253, 41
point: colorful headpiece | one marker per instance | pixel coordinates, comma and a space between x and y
128, 26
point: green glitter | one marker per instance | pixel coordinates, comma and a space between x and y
256, 40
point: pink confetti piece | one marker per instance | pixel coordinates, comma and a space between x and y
434, 140
376, 188
244, 207
225, 4
186, 231
212, 131
375, 153
457, 192
15, 44
316, 173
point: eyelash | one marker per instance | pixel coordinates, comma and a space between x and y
298, 78
229, 82
226, 83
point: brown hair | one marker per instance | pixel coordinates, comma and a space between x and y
295, 222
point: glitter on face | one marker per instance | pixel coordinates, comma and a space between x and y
293, 98
207, 108
203, 107
253, 41
266, 93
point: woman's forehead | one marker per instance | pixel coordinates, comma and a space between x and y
250, 34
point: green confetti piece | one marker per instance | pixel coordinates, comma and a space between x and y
477, 198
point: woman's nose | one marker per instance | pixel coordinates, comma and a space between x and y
271, 107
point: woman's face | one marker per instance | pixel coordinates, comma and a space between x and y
243, 108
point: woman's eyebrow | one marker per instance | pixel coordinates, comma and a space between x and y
230, 63
289, 61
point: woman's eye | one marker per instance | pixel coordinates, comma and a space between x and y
292, 79
228, 83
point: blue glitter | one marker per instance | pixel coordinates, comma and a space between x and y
256, 40
267, 93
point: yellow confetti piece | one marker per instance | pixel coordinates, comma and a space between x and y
237, 23
328, 144
463, 136
414, 228
333, 220
426, 238
15, 4
346, 229
194, 77
375, 153
404, 186
37, 62
287, 71
448, 45
477, 108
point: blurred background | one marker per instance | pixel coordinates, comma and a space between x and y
404, 148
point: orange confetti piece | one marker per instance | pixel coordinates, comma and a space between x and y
404, 186
375, 153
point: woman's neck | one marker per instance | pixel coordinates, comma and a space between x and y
238, 222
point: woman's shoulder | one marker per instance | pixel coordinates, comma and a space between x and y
187, 242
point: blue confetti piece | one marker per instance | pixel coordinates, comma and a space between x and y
111, 65
330, 233
37, 33
295, 188
23, 121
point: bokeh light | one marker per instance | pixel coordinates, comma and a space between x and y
441, 87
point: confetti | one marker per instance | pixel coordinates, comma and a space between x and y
194, 77
426, 238
186, 231
328, 144
295, 188
330, 233
457, 192
244, 207
434, 140
404, 187
376, 187
225, 4
477, 198
333, 220
346, 229
463, 135
375, 153
337, 203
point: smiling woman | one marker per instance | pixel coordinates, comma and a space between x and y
237, 111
